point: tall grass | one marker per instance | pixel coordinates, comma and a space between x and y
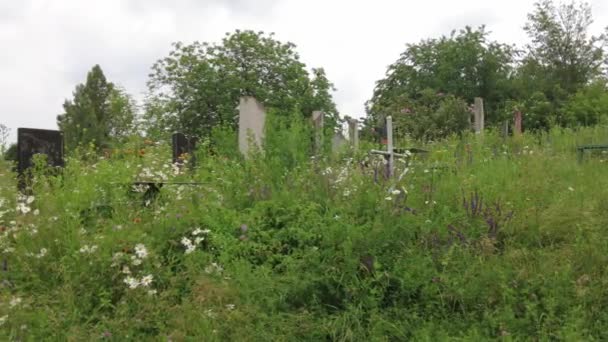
483, 237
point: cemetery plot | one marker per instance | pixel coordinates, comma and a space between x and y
32, 141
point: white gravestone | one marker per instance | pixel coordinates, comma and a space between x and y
252, 118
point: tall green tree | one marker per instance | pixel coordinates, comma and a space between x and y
562, 59
198, 86
99, 113
465, 65
562, 56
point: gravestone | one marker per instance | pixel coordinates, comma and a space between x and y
517, 118
318, 118
338, 141
479, 115
353, 132
252, 118
183, 145
32, 141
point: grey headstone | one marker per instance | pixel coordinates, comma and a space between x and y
353, 132
252, 118
318, 119
338, 142
479, 115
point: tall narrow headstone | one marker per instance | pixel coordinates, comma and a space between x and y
337, 142
479, 115
32, 141
353, 132
517, 123
390, 146
182, 146
252, 117
318, 122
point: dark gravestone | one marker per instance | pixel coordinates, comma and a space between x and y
32, 141
182, 145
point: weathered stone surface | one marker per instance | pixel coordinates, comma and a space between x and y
252, 118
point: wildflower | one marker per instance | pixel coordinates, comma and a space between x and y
131, 282
88, 250
3, 319
21, 207
151, 292
146, 280
126, 270
197, 231
570, 188
14, 302
36, 212
188, 244
198, 240
42, 253
29, 199
214, 267
141, 251
230, 306
389, 198
396, 192
135, 261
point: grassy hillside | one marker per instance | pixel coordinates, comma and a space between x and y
483, 238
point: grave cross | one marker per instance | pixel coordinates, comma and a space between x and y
390, 148
392, 152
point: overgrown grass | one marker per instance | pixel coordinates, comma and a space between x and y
483, 238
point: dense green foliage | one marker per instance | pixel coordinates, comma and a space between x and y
563, 67
198, 86
100, 113
484, 238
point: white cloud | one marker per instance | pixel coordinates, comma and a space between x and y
48, 46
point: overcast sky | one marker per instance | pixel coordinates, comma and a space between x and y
47, 47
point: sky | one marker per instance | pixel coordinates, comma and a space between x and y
48, 46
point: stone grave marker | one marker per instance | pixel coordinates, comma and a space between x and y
183, 145
318, 118
338, 141
353, 131
32, 141
252, 118
479, 115
517, 118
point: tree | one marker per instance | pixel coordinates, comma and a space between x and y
198, 86
562, 56
99, 113
465, 65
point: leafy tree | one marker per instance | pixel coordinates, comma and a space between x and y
11, 153
589, 106
198, 86
464, 64
99, 113
430, 116
562, 55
